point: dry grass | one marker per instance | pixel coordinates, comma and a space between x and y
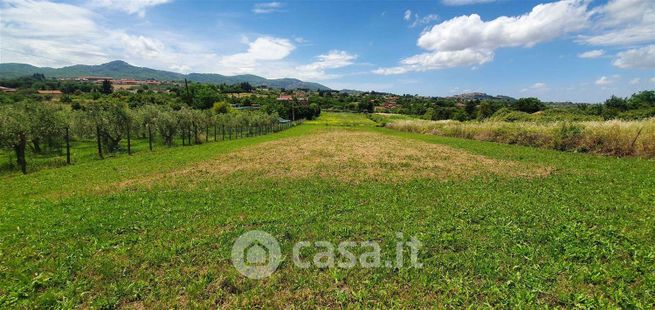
616, 138
349, 156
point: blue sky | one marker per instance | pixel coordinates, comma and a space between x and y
569, 50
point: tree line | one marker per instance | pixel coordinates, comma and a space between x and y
42, 127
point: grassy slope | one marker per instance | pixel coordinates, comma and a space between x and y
584, 235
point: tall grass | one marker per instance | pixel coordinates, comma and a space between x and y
616, 138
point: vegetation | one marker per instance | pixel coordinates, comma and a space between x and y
616, 138
43, 129
505, 226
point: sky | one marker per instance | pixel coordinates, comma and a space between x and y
568, 50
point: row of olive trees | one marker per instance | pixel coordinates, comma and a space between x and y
44, 127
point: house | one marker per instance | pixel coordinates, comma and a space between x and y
49, 92
97, 79
7, 89
284, 98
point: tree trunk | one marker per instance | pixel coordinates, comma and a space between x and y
20, 155
195, 135
149, 137
129, 141
68, 146
99, 143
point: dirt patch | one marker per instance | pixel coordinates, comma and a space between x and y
349, 156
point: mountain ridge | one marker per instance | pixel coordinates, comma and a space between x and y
119, 69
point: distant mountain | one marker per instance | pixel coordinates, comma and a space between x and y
121, 70
481, 96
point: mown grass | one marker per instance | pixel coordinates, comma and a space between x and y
583, 236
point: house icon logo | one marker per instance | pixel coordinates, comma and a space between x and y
256, 254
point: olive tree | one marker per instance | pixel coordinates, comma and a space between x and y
48, 124
15, 131
167, 125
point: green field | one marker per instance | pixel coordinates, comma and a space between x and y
501, 225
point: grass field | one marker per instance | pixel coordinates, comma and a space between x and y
501, 225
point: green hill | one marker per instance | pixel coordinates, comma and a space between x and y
119, 69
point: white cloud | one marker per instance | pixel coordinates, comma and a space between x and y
464, 2
469, 41
639, 58
266, 7
592, 54
408, 15
332, 60
56, 34
129, 6
604, 81
536, 88
262, 49
418, 20
545, 22
180, 68
46, 33
622, 22
635, 81
439, 60
141, 46
652, 79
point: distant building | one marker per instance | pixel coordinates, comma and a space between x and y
96, 79
49, 92
7, 89
284, 98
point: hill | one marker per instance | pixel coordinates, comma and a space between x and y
481, 96
119, 70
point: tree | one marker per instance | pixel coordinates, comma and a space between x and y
107, 88
221, 107
15, 131
528, 105
486, 109
167, 126
148, 115
47, 125
470, 107
616, 103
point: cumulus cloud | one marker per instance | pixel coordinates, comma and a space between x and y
266, 7
465, 2
592, 54
262, 49
46, 33
439, 60
635, 81
56, 34
622, 22
332, 60
638, 58
470, 41
129, 6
